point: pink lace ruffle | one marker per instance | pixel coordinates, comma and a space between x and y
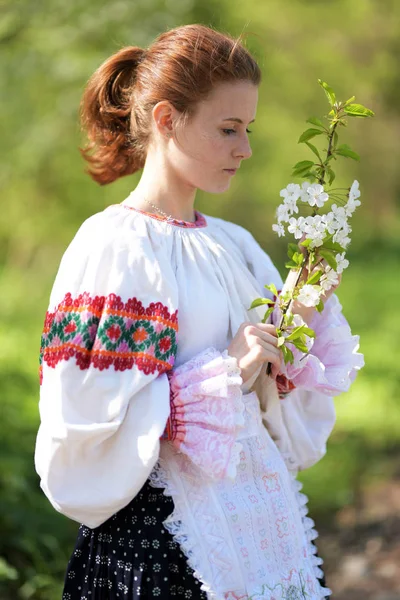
207, 412
332, 363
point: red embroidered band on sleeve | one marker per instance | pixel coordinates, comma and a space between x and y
103, 331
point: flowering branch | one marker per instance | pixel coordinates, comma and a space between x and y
319, 258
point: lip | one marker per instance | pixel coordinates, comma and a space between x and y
231, 171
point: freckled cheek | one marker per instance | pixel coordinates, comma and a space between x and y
212, 151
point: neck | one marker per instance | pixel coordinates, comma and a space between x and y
166, 190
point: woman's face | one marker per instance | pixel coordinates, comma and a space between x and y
216, 138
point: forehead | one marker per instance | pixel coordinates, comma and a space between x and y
234, 99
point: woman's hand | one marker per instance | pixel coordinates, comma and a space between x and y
253, 345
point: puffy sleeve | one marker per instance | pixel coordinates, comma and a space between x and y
109, 341
298, 409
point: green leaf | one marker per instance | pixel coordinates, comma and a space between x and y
272, 288
308, 134
292, 248
328, 256
316, 121
298, 258
320, 306
287, 354
281, 341
335, 139
330, 94
345, 150
300, 171
260, 302
303, 173
315, 277
314, 149
300, 345
349, 100
330, 245
288, 319
308, 331
306, 242
268, 312
331, 174
296, 333
303, 164
291, 265
358, 110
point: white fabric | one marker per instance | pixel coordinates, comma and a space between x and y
248, 537
99, 436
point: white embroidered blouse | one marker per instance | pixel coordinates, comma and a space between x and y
137, 383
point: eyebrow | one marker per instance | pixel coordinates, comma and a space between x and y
236, 120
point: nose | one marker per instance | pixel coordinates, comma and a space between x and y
244, 150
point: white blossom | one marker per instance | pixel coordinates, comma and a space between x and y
292, 206
317, 241
279, 229
342, 262
304, 197
352, 202
316, 195
290, 193
309, 295
329, 279
341, 238
296, 227
283, 213
330, 222
318, 223
315, 230
340, 214
354, 192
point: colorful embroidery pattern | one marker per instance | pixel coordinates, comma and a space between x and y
292, 590
103, 331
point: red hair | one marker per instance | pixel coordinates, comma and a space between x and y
181, 66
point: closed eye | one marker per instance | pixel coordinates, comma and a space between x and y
229, 131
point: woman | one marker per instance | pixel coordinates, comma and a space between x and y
161, 432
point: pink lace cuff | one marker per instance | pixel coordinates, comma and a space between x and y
207, 412
333, 360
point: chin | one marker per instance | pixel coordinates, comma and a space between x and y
217, 188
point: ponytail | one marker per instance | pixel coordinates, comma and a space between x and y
106, 116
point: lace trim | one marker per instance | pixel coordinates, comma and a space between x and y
311, 533
207, 412
176, 525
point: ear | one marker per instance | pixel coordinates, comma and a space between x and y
164, 115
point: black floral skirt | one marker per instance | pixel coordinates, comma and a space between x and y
132, 556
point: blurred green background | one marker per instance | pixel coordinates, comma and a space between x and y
49, 48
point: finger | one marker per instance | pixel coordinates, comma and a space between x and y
270, 353
268, 338
267, 328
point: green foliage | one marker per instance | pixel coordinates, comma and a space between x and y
329, 256
308, 134
345, 150
330, 94
260, 302
358, 110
